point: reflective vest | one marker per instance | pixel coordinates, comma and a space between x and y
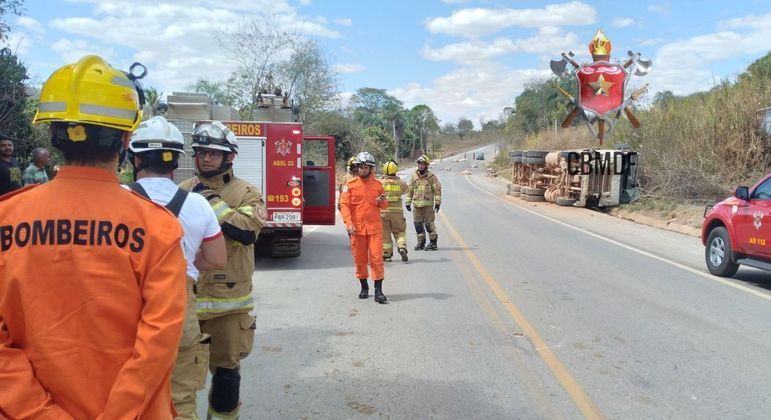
240, 205
424, 190
394, 188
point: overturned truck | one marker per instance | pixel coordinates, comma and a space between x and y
593, 178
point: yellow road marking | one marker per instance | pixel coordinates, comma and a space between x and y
631, 248
576, 393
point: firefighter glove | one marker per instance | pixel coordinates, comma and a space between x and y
436, 208
409, 207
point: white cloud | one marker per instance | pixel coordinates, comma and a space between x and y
306, 2
177, 42
549, 39
477, 22
344, 21
73, 50
621, 22
684, 66
478, 91
18, 42
659, 9
652, 41
349, 68
30, 24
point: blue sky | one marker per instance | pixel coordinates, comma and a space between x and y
464, 58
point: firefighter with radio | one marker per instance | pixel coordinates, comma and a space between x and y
425, 194
360, 204
92, 276
224, 297
394, 223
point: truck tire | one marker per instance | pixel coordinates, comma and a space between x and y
534, 160
534, 198
536, 153
718, 253
515, 188
533, 191
564, 201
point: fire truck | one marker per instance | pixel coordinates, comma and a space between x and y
295, 173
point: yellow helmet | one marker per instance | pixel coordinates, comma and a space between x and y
424, 159
390, 168
91, 91
351, 161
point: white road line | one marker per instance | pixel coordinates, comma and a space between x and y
630, 248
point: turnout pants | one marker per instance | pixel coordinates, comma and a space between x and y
232, 339
368, 248
189, 374
424, 221
393, 224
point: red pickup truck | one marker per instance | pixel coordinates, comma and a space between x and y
737, 230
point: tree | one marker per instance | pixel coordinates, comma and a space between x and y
151, 100
428, 125
307, 78
369, 105
218, 91
465, 126
6, 6
15, 121
257, 48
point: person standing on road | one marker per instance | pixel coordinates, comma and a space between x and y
363, 198
225, 296
36, 171
10, 173
154, 153
92, 276
350, 174
425, 194
393, 216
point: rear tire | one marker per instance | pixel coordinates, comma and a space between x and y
718, 253
564, 201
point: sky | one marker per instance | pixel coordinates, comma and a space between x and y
463, 58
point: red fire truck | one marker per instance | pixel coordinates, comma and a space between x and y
295, 173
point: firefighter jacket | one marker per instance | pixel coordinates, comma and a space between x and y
92, 299
424, 190
359, 207
394, 188
241, 213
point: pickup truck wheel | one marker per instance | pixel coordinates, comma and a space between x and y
718, 253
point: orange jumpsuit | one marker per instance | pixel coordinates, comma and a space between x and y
92, 298
360, 210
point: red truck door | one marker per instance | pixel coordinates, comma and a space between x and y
319, 180
752, 222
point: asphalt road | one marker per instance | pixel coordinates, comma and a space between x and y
527, 311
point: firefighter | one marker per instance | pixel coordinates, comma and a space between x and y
224, 297
393, 216
360, 204
350, 174
92, 276
425, 194
154, 153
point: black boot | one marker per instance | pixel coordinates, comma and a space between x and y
431, 245
421, 244
403, 253
379, 296
364, 289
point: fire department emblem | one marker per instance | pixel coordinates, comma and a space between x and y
758, 216
283, 147
601, 87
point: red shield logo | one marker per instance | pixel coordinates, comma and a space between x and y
601, 87
283, 147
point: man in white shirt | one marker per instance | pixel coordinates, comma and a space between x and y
154, 152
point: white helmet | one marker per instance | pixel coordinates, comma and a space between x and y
214, 136
156, 134
366, 158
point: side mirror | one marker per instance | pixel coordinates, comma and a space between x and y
742, 193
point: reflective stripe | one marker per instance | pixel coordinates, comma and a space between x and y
52, 106
220, 305
213, 415
221, 209
123, 82
247, 210
107, 111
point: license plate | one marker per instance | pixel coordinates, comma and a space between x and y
286, 216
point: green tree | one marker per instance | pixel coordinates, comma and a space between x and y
427, 126
307, 78
465, 126
15, 117
370, 104
9, 6
218, 91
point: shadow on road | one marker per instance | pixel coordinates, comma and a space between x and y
410, 296
756, 278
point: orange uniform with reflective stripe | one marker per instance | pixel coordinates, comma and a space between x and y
360, 210
92, 297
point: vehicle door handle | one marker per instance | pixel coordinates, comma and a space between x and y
310, 177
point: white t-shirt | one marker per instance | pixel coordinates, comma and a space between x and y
196, 216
